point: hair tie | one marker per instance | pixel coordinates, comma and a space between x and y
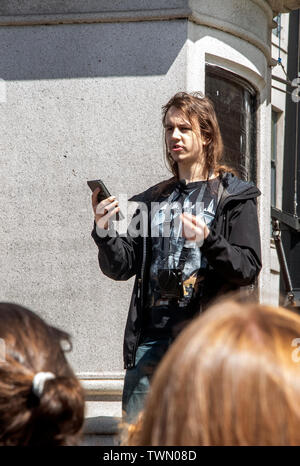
39, 380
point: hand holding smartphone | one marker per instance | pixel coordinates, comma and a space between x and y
103, 194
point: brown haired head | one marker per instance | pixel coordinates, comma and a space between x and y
231, 378
200, 112
31, 346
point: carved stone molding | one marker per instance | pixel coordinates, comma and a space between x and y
284, 6
249, 20
102, 383
96, 11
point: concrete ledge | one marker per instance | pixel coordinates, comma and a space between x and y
103, 11
31, 20
102, 425
93, 440
100, 15
284, 6
234, 30
97, 11
34, 7
106, 10
103, 387
103, 411
102, 383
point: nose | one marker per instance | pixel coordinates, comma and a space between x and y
175, 133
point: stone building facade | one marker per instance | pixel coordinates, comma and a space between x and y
82, 85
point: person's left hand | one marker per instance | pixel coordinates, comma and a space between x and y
194, 229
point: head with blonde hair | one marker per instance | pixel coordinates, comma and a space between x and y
41, 400
231, 378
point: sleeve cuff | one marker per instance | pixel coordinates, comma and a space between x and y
99, 233
209, 240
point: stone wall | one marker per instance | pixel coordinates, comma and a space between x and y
84, 84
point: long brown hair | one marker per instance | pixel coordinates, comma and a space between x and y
32, 346
200, 112
231, 378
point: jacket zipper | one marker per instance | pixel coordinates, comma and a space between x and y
139, 295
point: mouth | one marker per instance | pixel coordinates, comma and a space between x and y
177, 148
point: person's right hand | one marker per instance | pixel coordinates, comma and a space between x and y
104, 209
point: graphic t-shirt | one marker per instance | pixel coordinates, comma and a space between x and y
170, 250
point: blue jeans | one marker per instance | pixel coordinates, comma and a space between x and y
137, 380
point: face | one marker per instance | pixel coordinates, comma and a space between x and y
184, 142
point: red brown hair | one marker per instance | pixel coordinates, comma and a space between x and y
32, 346
229, 379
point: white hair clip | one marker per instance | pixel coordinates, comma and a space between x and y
39, 380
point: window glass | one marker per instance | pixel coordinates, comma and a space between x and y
235, 104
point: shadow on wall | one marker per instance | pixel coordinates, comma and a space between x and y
104, 425
90, 50
101, 431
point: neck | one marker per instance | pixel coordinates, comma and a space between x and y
190, 174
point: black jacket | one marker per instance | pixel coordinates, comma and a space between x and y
232, 249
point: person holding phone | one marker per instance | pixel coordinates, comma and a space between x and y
203, 241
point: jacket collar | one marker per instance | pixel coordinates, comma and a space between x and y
230, 186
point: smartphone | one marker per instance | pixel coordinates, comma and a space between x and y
103, 194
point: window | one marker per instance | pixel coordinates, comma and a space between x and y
235, 104
273, 156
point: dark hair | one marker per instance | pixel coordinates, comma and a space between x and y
230, 378
32, 346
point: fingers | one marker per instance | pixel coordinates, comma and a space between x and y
188, 228
102, 221
193, 229
192, 218
95, 202
106, 206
